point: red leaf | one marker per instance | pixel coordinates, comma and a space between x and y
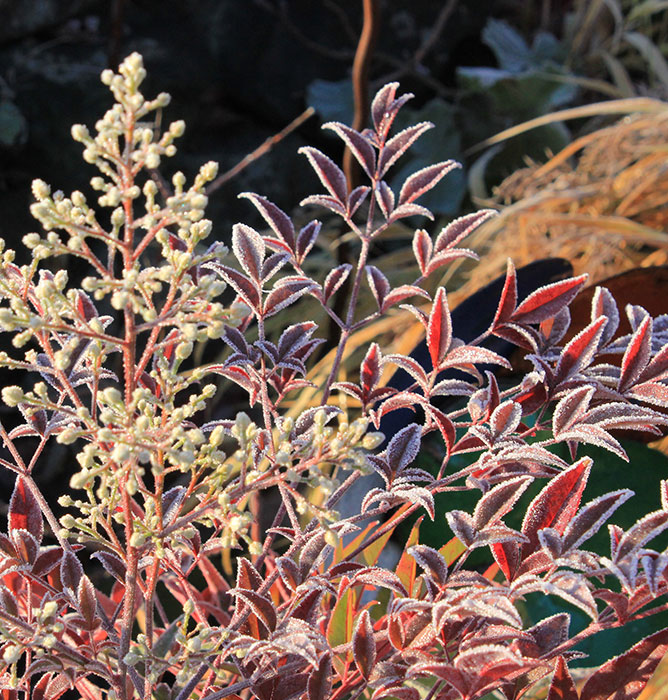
547, 301
24, 511
364, 645
562, 686
507, 556
439, 329
556, 504
580, 351
624, 677
370, 370
330, 174
87, 602
508, 300
424, 179
637, 355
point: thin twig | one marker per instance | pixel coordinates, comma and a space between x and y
265, 147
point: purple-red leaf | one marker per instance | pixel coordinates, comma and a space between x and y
400, 293
385, 198
424, 179
330, 174
637, 355
24, 511
385, 106
499, 501
624, 677
249, 249
364, 645
591, 517
335, 279
320, 679
378, 284
556, 504
404, 447
547, 301
422, 249
285, 292
439, 329
399, 144
279, 221
240, 283
71, 571
458, 229
358, 145
603, 304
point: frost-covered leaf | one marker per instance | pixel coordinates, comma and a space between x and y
423, 180
359, 146
439, 329
404, 447
548, 300
625, 676
275, 217
330, 174
24, 511
364, 645
249, 250
335, 279
399, 144
285, 292
378, 284
499, 501
557, 503
459, 228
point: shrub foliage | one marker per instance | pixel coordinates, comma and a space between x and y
124, 595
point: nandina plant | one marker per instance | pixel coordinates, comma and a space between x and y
125, 595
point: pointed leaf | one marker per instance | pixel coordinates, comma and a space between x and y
399, 144
624, 677
404, 447
637, 355
458, 229
358, 145
335, 279
562, 686
556, 504
24, 510
274, 216
249, 249
330, 174
439, 329
364, 645
424, 179
547, 301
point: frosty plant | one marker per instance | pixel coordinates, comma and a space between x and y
124, 596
